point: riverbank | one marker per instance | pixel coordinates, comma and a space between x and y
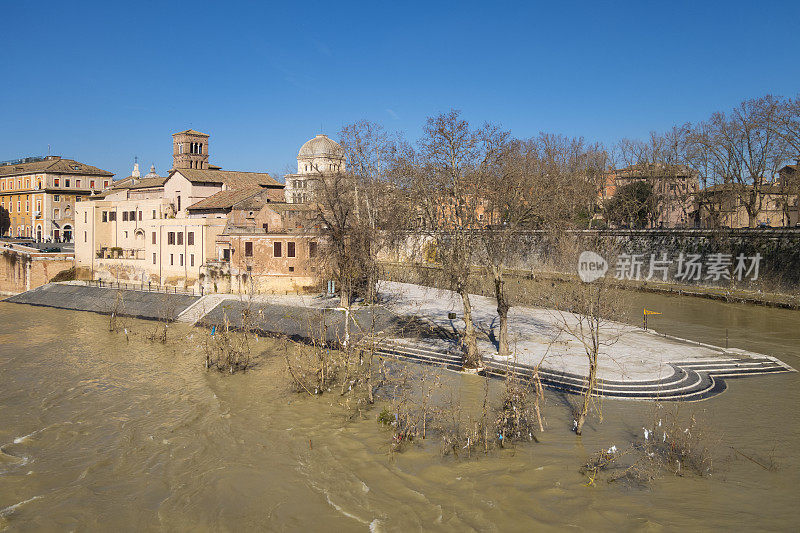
421, 324
427, 275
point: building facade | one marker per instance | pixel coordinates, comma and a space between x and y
674, 189
164, 229
41, 195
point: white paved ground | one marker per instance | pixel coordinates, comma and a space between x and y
537, 336
541, 336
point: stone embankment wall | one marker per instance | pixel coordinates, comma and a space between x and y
139, 304
718, 250
23, 268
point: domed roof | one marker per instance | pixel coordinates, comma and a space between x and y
152, 173
320, 146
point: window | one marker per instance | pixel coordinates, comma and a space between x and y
112, 216
181, 258
91, 184
266, 227
154, 256
55, 182
154, 237
124, 216
56, 213
56, 198
105, 216
226, 254
171, 237
248, 249
312, 249
180, 238
154, 214
171, 259
126, 234
291, 269
140, 216
132, 216
191, 259
105, 184
66, 183
190, 238
290, 249
276, 249
85, 216
78, 183
85, 236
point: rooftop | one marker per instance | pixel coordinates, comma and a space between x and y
53, 165
225, 199
190, 132
320, 146
233, 179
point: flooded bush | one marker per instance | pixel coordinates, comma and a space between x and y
520, 416
228, 350
673, 443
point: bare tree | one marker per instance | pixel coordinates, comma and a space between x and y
744, 150
589, 307
542, 183
446, 180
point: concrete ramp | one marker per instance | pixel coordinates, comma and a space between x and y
133, 303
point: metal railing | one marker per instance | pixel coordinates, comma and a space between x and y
144, 286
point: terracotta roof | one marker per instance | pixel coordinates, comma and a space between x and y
191, 132
53, 166
141, 183
225, 199
231, 178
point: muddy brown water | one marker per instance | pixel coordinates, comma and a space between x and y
97, 433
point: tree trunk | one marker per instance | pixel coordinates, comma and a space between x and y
587, 397
502, 312
469, 341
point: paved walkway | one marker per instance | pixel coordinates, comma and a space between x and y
541, 337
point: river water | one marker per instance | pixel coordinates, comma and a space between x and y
100, 433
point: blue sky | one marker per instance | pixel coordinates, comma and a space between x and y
103, 82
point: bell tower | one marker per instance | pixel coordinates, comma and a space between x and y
190, 150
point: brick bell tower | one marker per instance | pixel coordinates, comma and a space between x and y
190, 150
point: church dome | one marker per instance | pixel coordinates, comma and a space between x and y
320, 146
152, 173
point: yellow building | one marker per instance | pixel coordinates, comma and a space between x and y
40, 195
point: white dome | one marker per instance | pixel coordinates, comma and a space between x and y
152, 173
320, 146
